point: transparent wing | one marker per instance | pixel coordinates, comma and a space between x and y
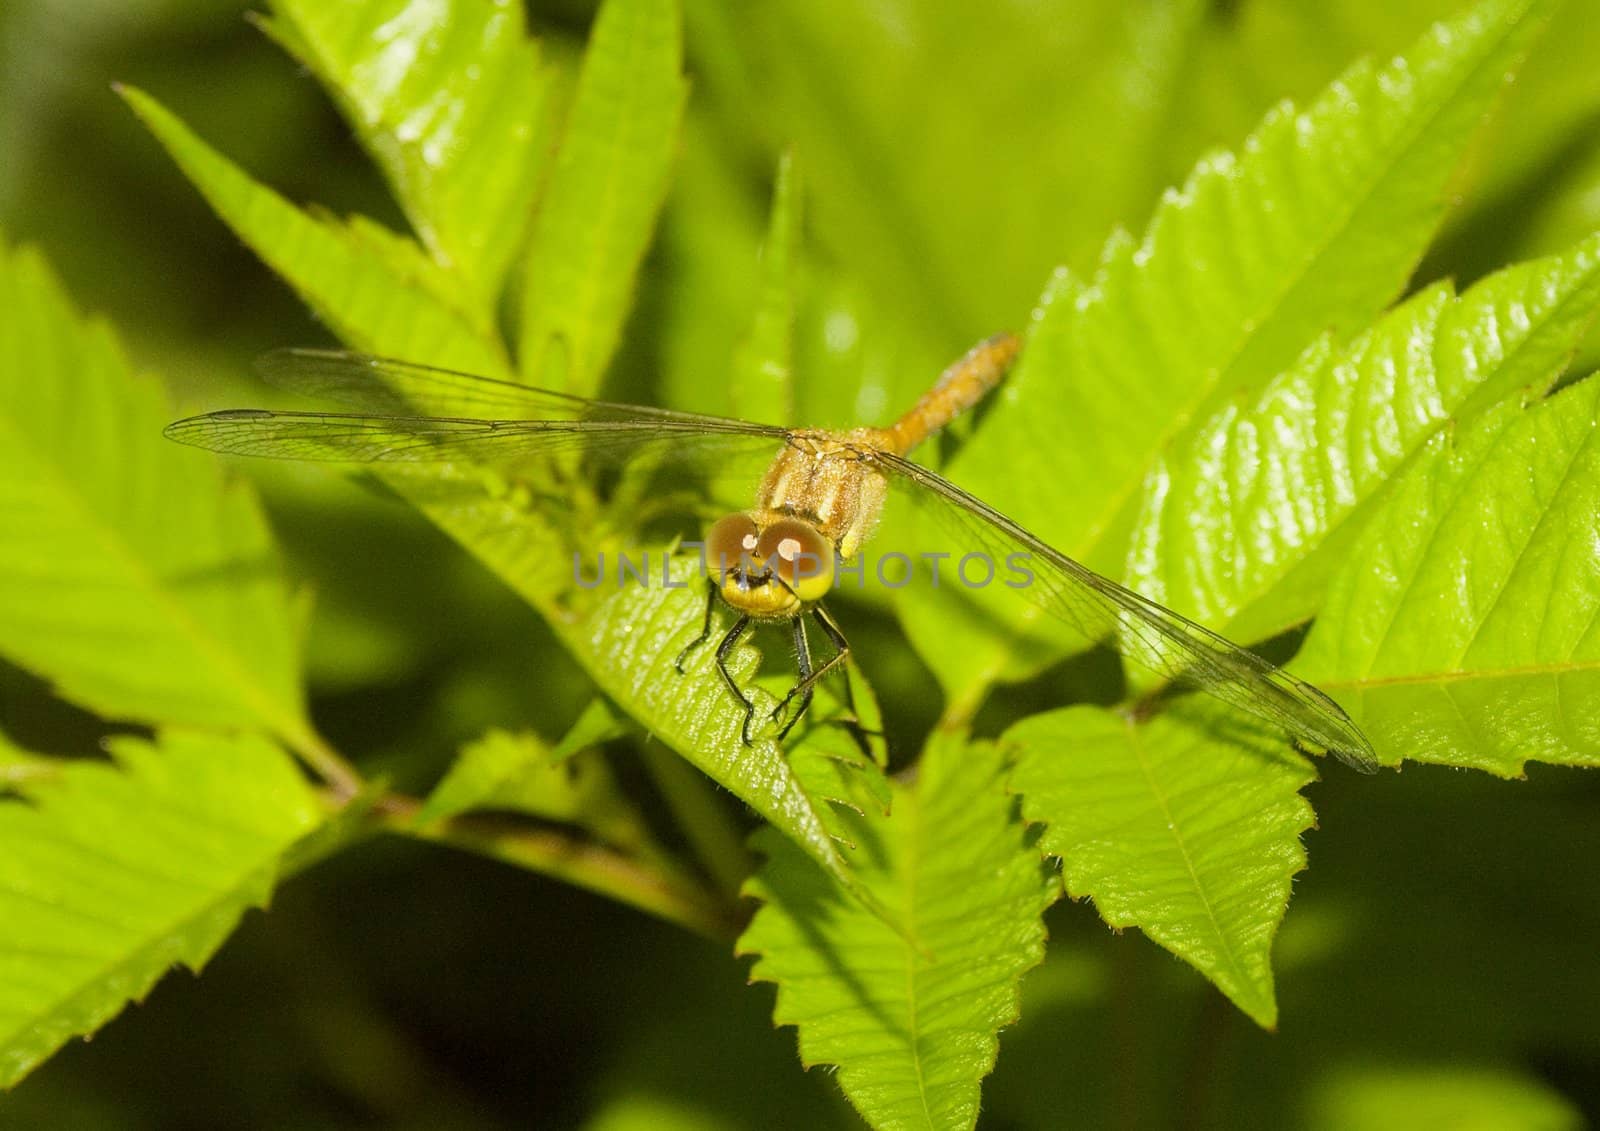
382, 386
1143, 631
339, 437
508, 425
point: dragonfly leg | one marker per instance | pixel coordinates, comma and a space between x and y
842, 646
724, 650
809, 678
705, 627
802, 658
860, 734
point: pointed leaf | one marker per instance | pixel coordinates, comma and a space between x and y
355, 278
598, 724
620, 136
629, 642
453, 103
1243, 523
1317, 224
111, 876
518, 772
131, 576
630, 646
599, 207
1465, 626
763, 369
912, 1028
1187, 828
875, 97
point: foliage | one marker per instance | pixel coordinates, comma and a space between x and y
1314, 225
1167, 828
150, 593
1261, 412
89, 483
112, 876
910, 1021
355, 286
1500, 672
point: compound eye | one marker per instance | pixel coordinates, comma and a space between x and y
800, 556
730, 544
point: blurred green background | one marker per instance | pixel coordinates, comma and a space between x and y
1441, 950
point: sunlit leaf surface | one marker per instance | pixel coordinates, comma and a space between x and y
611, 167
111, 875
1314, 225
1465, 626
599, 207
911, 1024
139, 584
455, 105
1244, 522
1187, 828
18, 765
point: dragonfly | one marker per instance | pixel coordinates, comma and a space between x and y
773, 564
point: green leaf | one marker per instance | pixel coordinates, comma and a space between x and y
763, 368
597, 724
1526, 170
1390, 1098
709, 248
376, 290
1463, 627
806, 790
1243, 523
607, 185
110, 876
911, 1024
19, 766
1315, 226
1187, 828
132, 576
453, 105
629, 643
595, 221
878, 99
518, 772
956, 632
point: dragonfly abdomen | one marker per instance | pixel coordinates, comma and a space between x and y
959, 387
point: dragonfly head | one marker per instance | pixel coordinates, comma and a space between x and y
769, 571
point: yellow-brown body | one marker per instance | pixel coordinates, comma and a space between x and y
827, 482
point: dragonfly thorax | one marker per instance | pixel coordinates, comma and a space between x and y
828, 479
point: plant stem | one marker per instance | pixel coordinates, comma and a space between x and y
341, 777
590, 866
